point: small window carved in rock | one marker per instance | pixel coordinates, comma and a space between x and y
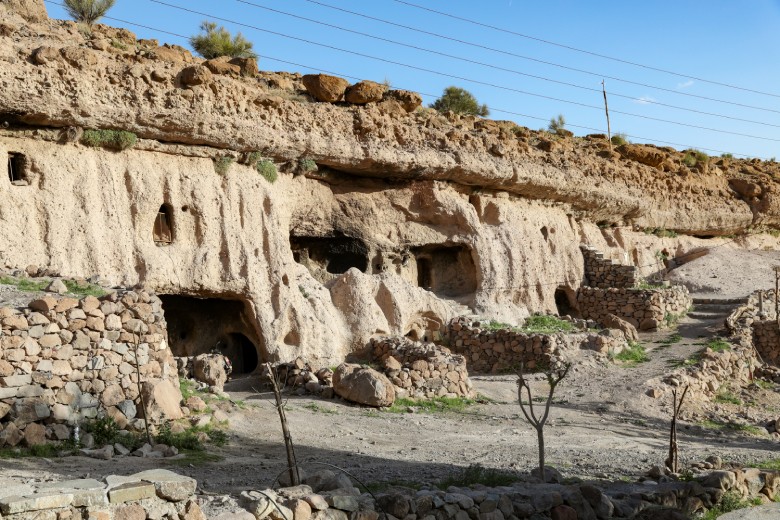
163, 226
17, 169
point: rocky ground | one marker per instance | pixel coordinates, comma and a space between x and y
602, 425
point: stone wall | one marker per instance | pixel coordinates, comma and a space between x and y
65, 360
155, 493
422, 370
766, 339
646, 309
604, 273
502, 350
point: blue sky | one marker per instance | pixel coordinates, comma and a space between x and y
737, 43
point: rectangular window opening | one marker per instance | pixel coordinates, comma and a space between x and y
162, 229
17, 173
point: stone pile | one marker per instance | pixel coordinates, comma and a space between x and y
645, 309
63, 360
422, 370
155, 493
491, 351
604, 273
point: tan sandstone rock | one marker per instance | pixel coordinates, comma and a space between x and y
324, 87
363, 385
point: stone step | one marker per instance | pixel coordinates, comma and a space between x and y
724, 308
720, 301
707, 315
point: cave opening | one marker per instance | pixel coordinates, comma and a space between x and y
564, 302
163, 225
17, 171
334, 255
446, 270
205, 325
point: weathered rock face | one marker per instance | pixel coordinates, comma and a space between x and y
30, 10
408, 219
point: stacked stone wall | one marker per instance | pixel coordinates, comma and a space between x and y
646, 309
490, 351
66, 360
422, 370
766, 339
603, 273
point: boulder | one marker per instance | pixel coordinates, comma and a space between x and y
365, 92
210, 369
643, 154
35, 434
363, 385
247, 66
222, 65
171, 53
325, 88
410, 101
162, 400
195, 75
612, 321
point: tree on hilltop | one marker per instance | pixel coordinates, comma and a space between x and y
88, 11
215, 41
460, 101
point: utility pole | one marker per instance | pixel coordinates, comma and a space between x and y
606, 110
777, 292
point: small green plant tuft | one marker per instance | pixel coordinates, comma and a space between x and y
122, 46
719, 344
477, 474
724, 396
215, 41
267, 170
84, 290
112, 139
104, 430
671, 340
546, 325
222, 164
727, 155
314, 407
693, 157
619, 139
644, 284
731, 501
633, 355
307, 165
24, 284
557, 124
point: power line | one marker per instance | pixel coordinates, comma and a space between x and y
445, 74
432, 96
504, 69
537, 60
583, 51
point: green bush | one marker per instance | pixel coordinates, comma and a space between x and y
460, 101
222, 164
731, 501
216, 41
557, 124
619, 139
268, 170
114, 139
88, 11
104, 430
306, 165
693, 157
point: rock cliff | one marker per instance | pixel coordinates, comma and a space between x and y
382, 221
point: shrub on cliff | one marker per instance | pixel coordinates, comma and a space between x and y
557, 124
460, 101
215, 41
114, 139
88, 11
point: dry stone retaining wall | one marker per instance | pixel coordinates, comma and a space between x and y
604, 273
64, 360
501, 350
766, 339
422, 370
646, 309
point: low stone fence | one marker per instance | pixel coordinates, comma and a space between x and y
604, 273
422, 370
64, 360
501, 350
766, 339
156, 493
645, 309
